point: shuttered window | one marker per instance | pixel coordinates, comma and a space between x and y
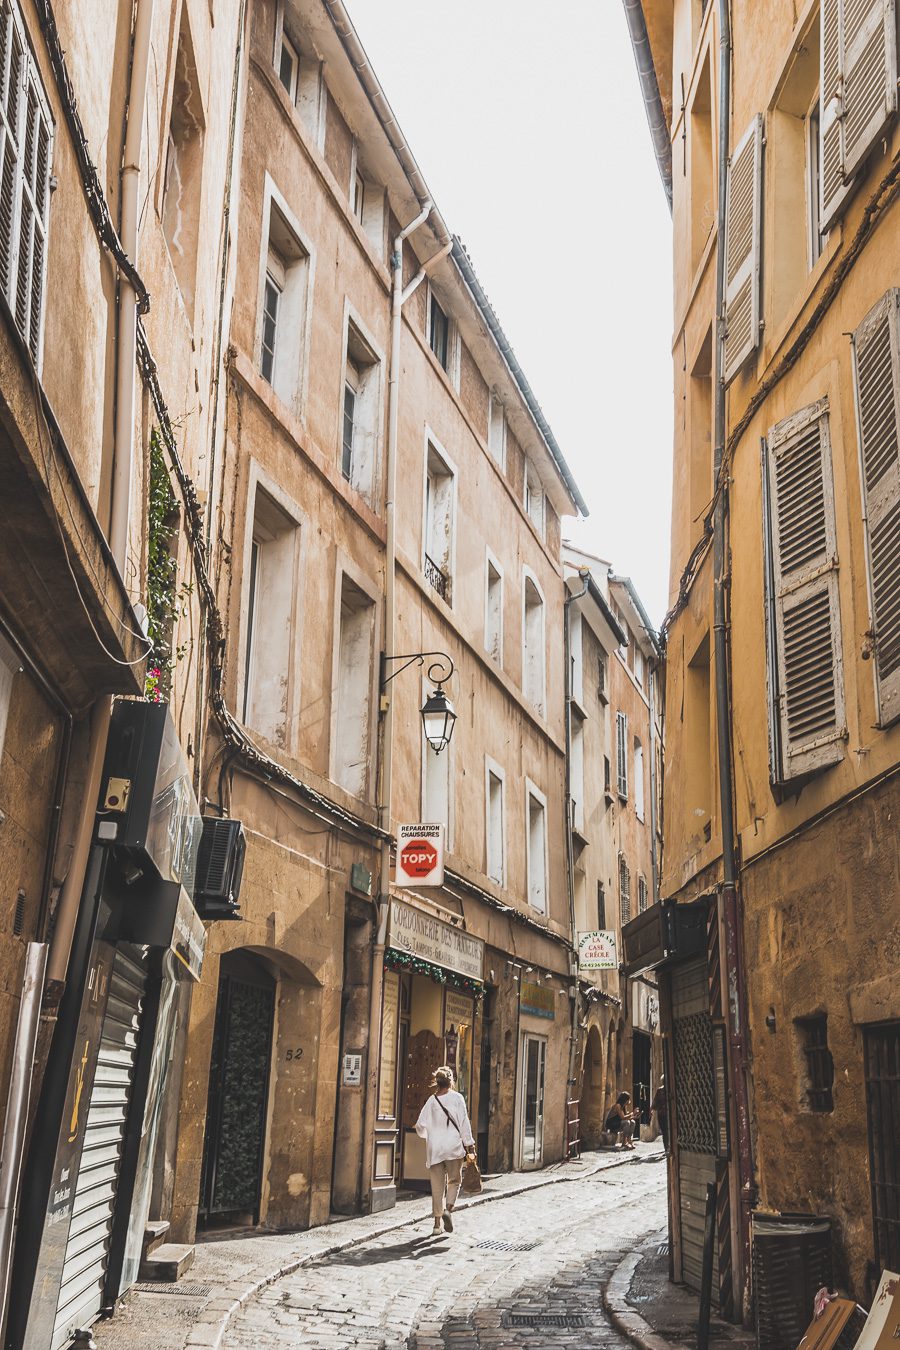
743, 195
624, 890
859, 89
622, 753
876, 351
25, 152
808, 693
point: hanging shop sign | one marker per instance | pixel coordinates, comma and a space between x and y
420, 855
597, 950
431, 939
538, 1000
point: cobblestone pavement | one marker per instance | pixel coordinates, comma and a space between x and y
525, 1271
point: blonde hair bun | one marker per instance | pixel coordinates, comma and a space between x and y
443, 1077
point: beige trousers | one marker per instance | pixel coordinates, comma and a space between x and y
445, 1179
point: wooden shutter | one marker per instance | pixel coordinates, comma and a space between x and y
810, 695
742, 248
869, 74
876, 366
621, 753
831, 173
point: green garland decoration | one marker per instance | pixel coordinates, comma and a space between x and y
406, 961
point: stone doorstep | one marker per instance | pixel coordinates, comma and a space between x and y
212, 1322
168, 1262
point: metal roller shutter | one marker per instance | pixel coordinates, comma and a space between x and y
695, 1113
84, 1267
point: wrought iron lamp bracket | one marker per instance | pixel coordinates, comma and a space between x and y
443, 663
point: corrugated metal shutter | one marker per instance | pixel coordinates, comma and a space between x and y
807, 606
84, 1267
876, 366
695, 1113
743, 201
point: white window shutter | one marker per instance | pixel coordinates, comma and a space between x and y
876, 366
869, 75
832, 187
743, 200
807, 608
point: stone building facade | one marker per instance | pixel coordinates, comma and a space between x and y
781, 680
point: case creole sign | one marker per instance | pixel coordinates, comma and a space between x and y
420, 855
597, 950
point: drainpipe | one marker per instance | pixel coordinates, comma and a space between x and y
656, 117
734, 975
399, 296
570, 850
123, 460
654, 789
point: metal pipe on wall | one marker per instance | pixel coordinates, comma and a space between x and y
733, 962
571, 596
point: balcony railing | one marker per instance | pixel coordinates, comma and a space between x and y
437, 578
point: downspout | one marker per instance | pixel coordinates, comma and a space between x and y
654, 789
570, 850
123, 463
734, 976
398, 298
656, 117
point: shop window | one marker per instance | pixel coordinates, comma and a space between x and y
536, 843
533, 653
351, 716
817, 1065
360, 413
269, 664
184, 167
284, 301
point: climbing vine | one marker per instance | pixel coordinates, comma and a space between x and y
165, 598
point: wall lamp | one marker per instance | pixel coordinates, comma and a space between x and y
438, 713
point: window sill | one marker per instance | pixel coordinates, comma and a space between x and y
579, 707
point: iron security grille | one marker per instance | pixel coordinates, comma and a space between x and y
819, 1064
437, 578
695, 1089
883, 1100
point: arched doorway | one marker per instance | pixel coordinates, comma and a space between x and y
592, 1091
237, 1104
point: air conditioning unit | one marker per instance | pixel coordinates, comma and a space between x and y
220, 865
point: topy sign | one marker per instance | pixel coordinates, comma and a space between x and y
420, 855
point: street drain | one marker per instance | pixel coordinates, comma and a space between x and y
662, 1249
184, 1287
492, 1246
543, 1319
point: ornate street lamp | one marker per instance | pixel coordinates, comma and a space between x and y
438, 713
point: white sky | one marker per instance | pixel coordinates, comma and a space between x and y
530, 130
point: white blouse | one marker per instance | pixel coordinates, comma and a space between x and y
442, 1139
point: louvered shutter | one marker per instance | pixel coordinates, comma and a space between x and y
743, 196
810, 696
833, 189
621, 753
876, 364
869, 72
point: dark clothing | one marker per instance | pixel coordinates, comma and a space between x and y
661, 1107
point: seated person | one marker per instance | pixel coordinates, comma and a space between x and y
621, 1121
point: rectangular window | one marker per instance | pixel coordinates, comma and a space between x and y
439, 511
533, 652
496, 840
351, 383
624, 890
360, 413
622, 755
283, 311
497, 432
534, 499
607, 778
814, 180
638, 664
493, 613
359, 197
638, 779
9, 668
577, 774
26, 145
439, 333
184, 168
270, 666
817, 1064
601, 906
576, 658
352, 698
288, 65
601, 680
642, 894
536, 832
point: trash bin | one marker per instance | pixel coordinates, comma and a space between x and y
791, 1262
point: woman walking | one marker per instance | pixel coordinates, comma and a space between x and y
444, 1125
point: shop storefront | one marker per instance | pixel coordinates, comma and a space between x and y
431, 1015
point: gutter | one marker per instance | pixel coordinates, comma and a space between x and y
461, 258
627, 584
656, 117
595, 594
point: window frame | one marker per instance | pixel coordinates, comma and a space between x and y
434, 447
622, 755
491, 564
346, 570
539, 704
493, 770
533, 793
294, 398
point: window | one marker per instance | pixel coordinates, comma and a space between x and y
493, 612
439, 524
743, 200
288, 66
602, 695
439, 333
624, 890
814, 180
807, 728
9, 668
360, 412
876, 369
576, 657
437, 801
576, 773
184, 167
607, 778
697, 796
642, 894
284, 307
533, 653
269, 649
495, 827
817, 1065
622, 755
701, 167
638, 664
536, 838
352, 696
601, 905
638, 779
534, 499
497, 431
700, 415
26, 144
359, 196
